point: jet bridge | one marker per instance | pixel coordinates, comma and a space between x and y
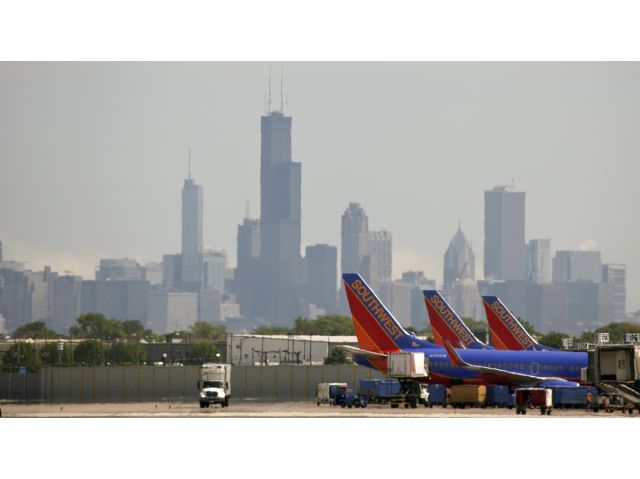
615, 369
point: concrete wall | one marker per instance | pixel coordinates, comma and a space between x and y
147, 383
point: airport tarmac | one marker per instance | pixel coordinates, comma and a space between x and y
251, 409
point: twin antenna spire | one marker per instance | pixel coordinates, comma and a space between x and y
282, 98
189, 162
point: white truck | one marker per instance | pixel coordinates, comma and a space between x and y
214, 384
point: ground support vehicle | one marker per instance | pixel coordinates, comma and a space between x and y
497, 396
346, 397
379, 391
529, 398
326, 392
214, 384
437, 395
411, 394
410, 369
468, 395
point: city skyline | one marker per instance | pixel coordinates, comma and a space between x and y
419, 240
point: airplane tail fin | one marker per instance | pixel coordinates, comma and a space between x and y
447, 325
506, 330
375, 327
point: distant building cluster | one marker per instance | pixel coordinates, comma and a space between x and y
273, 282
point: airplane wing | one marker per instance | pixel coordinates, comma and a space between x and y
364, 352
521, 378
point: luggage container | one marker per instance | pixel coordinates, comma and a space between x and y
575, 397
367, 387
379, 390
437, 395
529, 398
463, 395
497, 395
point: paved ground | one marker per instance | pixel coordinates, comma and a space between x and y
247, 408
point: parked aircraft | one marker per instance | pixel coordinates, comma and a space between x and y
506, 331
379, 333
446, 324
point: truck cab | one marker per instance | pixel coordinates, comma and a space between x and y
214, 384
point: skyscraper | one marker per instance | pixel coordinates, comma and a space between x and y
322, 263
280, 180
571, 266
616, 274
355, 238
539, 261
191, 236
247, 257
380, 259
459, 260
504, 244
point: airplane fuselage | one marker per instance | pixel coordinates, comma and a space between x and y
559, 364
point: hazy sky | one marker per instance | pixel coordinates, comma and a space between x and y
93, 155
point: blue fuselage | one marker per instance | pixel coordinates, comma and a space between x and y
558, 364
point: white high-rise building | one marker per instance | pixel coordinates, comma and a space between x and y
571, 266
459, 260
380, 250
355, 238
539, 261
616, 274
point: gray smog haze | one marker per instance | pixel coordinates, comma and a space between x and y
93, 155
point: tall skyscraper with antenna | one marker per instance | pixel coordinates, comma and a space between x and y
191, 233
280, 198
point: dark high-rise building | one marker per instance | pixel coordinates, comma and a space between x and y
322, 264
248, 255
191, 236
504, 245
280, 261
65, 302
459, 261
123, 299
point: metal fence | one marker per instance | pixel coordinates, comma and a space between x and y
149, 383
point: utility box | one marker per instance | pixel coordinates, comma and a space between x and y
403, 364
620, 363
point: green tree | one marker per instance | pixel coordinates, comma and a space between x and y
97, 326
617, 331
204, 353
336, 356
529, 328
329, 325
204, 330
132, 328
129, 354
21, 354
553, 339
37, 329
90, 353
271, 330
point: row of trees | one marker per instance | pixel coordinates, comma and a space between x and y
90, 352
329, 325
